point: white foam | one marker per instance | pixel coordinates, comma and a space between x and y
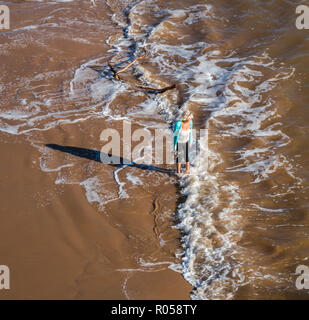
135, 180
121, 191
96, 192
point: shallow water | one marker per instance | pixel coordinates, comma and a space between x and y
240, 67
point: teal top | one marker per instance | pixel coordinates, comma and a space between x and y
176, 132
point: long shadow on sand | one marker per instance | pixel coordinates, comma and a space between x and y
95, 155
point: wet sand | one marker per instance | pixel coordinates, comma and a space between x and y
58, 246
58, 235
72, 227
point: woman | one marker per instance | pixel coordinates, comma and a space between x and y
183, 140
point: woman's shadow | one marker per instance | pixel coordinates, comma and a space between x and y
111, 160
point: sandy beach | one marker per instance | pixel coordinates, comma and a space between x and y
75, 227
62, 247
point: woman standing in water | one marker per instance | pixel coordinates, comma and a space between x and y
183, 140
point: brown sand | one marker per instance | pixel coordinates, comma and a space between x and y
58, 246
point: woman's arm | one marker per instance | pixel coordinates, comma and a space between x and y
177, 128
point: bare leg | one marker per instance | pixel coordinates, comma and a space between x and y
178, 167
187, 167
